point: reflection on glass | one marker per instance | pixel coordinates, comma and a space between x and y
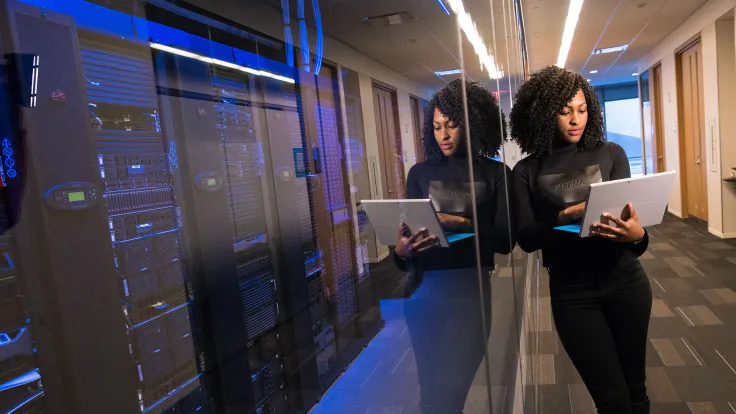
181, 225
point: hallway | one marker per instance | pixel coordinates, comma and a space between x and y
691, 353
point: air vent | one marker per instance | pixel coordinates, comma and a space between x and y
390, 19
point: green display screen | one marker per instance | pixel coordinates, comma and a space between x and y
76, 196
211, 181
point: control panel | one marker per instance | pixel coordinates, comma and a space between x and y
209, 181
73, 196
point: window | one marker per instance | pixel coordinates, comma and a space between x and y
623, 126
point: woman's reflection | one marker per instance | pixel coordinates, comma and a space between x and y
444, 315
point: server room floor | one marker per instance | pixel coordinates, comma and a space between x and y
691, 359
385, 377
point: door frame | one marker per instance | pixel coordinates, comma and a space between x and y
655, 101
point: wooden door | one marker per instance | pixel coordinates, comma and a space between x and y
692, 136
417, 119
655, 87
389, 143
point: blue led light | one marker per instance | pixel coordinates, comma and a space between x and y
9, 161
320, 37
173, 158
444, 8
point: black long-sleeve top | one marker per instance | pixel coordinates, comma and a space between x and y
447, 184
544, 186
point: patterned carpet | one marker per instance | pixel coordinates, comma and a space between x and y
691, 353
692, 348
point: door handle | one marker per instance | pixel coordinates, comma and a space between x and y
317, 159
659, 158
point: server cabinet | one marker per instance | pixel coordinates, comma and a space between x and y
185, 242
145, 224
21, 388
62, 234
210, 117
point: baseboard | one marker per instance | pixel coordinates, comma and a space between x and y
379, 259
675, 212
721, 234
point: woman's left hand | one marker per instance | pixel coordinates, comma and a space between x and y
628, 229
453, 223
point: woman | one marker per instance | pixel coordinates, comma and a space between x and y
601, 297
444, 316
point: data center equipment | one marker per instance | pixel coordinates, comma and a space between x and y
188, 242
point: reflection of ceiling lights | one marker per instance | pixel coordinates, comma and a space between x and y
468, 26
442, 5
570, 23
449, 72
593, 71
610, 50
634, 74
219, 62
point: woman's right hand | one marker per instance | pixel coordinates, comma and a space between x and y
409, 244
572, 214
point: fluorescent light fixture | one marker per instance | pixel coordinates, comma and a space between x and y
466, 23
219, 62
442, 5
449, 72
635, 74
610, 50
571, 22
593, 71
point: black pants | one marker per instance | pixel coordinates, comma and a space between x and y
444, 322
602, 321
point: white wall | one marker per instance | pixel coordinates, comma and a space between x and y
712, 115
701, 23
726, 46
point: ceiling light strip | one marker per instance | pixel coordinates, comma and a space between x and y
469, 28
219, 62
571, 22
449, 72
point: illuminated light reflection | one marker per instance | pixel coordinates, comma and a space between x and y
471, 32
449, 72
571, 22
219, 62
319, 48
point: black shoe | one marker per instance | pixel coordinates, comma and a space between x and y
641, 407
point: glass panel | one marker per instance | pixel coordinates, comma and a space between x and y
186, 222
494, 62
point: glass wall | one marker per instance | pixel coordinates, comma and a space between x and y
260, 207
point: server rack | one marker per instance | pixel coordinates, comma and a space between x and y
145, 223
61, 235
209, 118
263, 316
21, 389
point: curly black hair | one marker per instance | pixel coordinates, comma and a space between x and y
540, 99
487, 127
